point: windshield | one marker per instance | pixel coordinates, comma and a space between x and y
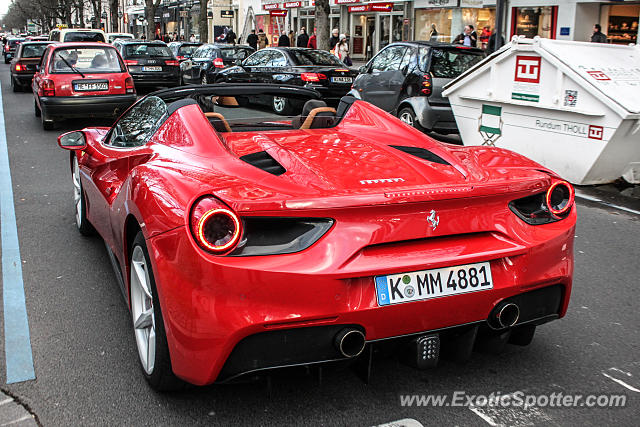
449, 63
146, 50
82, 36
88, 60
33, 50
187, 50
113, 37
234, 53
314, 57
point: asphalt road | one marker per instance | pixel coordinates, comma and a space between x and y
86, 362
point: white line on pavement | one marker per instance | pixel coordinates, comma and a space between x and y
622, 383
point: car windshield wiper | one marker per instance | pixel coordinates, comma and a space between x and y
69, 65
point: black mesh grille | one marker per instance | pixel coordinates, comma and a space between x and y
262, 160
421, 153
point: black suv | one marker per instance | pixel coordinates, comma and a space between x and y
406, 79
151, 64
209, 59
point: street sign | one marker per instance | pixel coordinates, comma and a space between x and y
226, 14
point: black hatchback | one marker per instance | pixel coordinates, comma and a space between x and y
311, 68
407, 79
209, 59
151, 64
10, 48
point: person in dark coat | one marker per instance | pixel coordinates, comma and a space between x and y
492, 42
252, 40
333, 41
284, 40
231, 37
303, 38
598, 36
467, 38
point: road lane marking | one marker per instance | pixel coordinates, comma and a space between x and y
17, 342
622, 383
579, 194
512, 416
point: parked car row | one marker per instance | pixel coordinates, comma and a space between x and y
405, 79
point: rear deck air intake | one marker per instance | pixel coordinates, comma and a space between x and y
262, 160
421, 153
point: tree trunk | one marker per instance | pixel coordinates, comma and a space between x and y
203, 22
114, 15
322, 24
150, 13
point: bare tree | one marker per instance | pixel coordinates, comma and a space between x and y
322, 24
114, 5
203, 22
150, 13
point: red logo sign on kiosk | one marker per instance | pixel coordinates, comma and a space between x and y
292, 4
347, 1
528, 69
271, 6
598, 75
278, 13
595, 132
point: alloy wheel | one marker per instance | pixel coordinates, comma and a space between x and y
407, 118
204, 79
142, 310
279, 104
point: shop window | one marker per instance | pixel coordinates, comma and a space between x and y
426, 19
623, 23
534, 21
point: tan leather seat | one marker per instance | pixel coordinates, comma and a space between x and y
219, 123
323, 116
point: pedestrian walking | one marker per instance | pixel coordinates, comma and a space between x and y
598, 36
303, 38
342, 50
333, 41
192, 38
433, 34
492, 42
252, 40
231, 37
313, 43
284, 40
263, 40
467, 38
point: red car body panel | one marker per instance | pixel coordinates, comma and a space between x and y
378, 197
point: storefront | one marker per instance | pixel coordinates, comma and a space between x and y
620, 22
306, 16
443, 20
375, 25
535, 21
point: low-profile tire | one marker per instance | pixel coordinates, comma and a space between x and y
36, 109
6, 61
408, 116
281, 106
148, 324
84, 226
47, 123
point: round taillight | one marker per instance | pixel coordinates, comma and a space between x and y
560, 197
215, 227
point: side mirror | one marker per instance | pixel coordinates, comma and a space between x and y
363, 69
75, 140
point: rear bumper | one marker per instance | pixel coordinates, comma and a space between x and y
156, 79
23, 79
238, 315
85, 106
439, 118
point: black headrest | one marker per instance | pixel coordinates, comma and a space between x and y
311, 105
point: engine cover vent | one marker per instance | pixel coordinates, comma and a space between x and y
262, 160
421, 153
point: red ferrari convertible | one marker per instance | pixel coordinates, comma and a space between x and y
244, 241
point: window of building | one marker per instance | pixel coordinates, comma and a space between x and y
534, 21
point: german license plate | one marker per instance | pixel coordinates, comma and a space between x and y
439, 282
151, 68
90, 86
341, 79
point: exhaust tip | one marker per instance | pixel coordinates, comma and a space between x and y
507, 314
350, 342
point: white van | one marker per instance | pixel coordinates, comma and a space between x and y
111, 37
77, 35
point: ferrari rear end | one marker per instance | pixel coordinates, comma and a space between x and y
428, 270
